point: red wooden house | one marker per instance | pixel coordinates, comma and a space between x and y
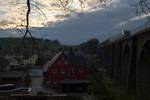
67, 68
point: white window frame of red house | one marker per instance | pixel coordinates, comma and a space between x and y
54, 81
66, 62
54, 71
63, 71
71, 71
80, 70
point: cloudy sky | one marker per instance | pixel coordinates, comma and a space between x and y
72, 26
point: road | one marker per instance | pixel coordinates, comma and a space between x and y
36, 86
36, 82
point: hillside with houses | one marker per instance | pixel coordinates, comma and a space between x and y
46, 71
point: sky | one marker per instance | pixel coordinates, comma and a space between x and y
73, 26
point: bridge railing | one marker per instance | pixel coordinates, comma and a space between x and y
132, 31
139, 28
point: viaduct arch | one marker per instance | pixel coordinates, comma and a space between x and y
126, 62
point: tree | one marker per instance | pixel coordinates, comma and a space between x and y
0, 47
143, 7
41, 60
90, 47
3, 63
56, 42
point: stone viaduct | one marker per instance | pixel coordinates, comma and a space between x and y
127, 61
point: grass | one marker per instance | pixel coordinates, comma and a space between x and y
106, 90
40, 93
98, 89
77, 98
5, 94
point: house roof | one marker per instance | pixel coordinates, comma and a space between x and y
75, 57
12, 74
35, 72
51, 61
74, 82
4, 52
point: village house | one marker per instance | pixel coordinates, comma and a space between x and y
13, 77
67, 68
21, 59
31, 60
46, 52
10, 56
12, 61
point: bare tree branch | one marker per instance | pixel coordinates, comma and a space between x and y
39, 10
63, 4
27, 24
143, 8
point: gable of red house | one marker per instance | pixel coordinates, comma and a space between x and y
67, 66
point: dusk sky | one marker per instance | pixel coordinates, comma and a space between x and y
70, 27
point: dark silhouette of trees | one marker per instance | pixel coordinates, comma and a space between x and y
90, 47
143, 8
3, 63
56, 42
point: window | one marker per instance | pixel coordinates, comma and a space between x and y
54, 81
66, 62
54, 71
62, 71
71, 71
59, 62
80, 70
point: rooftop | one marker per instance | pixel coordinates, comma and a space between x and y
76, 58
12, 74
74, 81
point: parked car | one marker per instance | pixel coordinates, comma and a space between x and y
7, 88
13, 89
24, 91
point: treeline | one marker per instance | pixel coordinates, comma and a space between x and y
13, 43
90, 47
